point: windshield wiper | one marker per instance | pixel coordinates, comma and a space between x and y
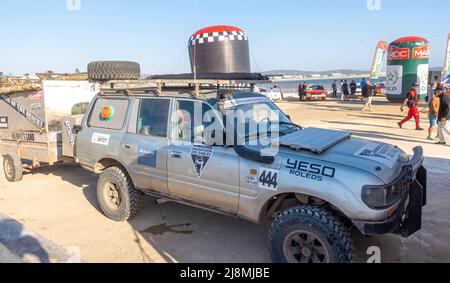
291, 124
247, 137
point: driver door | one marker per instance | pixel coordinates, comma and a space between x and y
205, 175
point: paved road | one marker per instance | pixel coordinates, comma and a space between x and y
60, 204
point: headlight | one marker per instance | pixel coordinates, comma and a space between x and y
378, 197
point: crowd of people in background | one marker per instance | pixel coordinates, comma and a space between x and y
439, 114
437, 99
438, 111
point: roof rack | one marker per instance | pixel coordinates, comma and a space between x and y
156, 86
63, 76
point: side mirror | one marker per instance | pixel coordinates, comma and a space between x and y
289, 117
77, 129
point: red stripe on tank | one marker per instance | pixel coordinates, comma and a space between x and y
217, 29
409, 39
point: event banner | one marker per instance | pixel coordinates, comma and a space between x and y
446, 72
378, 60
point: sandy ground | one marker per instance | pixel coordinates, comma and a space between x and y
60, 204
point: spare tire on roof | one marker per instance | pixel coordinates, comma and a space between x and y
114, 70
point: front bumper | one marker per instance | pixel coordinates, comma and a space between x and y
407, 220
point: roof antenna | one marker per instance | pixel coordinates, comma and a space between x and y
195, 45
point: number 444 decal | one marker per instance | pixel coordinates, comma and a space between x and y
268, 179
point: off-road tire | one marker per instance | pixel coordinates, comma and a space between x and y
113, 70
131, 198
320, 222
12, 163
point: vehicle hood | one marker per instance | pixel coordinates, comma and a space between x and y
382, 160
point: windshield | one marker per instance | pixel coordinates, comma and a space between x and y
258, 118
317, 87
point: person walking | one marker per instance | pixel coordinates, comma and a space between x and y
412, 101
300, 91
433, 112
335, 88
345, 90
431, 91
444, 115
367, 93
353, 87
341, 84
304, 88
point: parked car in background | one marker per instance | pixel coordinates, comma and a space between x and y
273, 94
316, 92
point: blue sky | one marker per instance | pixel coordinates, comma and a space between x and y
44, 35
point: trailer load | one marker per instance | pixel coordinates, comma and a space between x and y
30, 120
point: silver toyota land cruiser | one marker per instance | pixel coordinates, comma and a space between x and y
317, 185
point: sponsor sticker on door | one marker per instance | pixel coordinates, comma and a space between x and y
147, 155
201, 155
268, 179
100, 139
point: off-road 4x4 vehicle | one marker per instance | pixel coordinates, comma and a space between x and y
320, 184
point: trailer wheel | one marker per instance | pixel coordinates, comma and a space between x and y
309, 234
117, 196
12, 167
114, 70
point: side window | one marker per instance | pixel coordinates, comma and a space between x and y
188, 125
153, 117
109, 114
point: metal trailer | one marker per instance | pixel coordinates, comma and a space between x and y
31, 126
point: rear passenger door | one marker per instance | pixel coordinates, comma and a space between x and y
144, 146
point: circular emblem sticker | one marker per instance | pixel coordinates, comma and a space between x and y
107, 113
392, 78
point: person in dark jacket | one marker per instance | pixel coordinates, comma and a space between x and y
444, 115
335, 89
364, 91
345, 90
300, 91
353, 88
367, 93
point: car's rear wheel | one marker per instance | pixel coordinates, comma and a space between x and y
12, 167
308, 234
117, 196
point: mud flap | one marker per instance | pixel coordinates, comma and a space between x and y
413, 219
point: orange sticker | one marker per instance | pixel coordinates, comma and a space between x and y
106, 113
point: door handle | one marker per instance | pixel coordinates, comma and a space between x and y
126, 146
176, 155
